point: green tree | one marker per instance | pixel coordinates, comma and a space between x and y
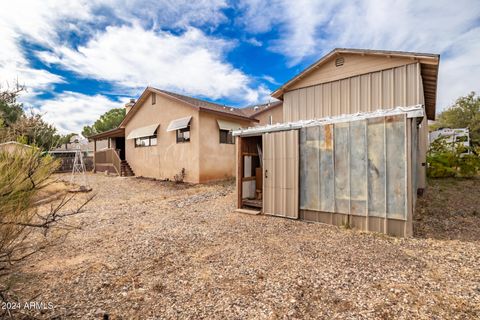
33, 130
465, 113
10, 109
109, 120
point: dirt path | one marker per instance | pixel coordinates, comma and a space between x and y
152, 250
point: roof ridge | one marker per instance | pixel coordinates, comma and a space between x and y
190, 97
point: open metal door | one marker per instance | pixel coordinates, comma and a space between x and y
280, 172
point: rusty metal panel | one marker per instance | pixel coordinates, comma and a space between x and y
342, 177
376, 167
358, 167
310, 168
396, 166
317, 185
281, 170
327, 169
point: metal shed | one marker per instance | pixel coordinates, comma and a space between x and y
353, 170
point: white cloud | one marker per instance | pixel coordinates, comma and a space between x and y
133, 57
70, 111
254, 42
308, 29
122, 43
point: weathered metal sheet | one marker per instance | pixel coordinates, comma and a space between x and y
396, 166
376, 167
310, 168
358, 167
342, 176
327, 169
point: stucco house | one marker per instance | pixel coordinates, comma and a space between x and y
165, 135
352, 148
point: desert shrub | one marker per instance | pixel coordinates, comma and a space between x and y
22, 175
179, 177
24, 228
451, 160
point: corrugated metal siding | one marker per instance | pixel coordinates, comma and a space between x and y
360, 170
401, 86
280, 165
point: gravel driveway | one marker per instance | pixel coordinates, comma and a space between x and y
155, 250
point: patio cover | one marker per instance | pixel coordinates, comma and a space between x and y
143, 132
227, 125
180, 123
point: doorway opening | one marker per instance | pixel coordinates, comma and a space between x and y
250, 173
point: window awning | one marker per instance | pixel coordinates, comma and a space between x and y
227, 125
143, 132
178, 124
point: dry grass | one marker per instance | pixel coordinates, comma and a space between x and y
449, 210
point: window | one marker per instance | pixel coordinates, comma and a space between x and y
154, 98
146, 141
226, 137
183, 135
270, 120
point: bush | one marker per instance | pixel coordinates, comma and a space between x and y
24, 174
450, 160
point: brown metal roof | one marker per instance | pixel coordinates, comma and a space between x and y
429, 71
117, 132
255, 110
199, 104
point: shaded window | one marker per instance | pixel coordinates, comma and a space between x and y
226, 137
154, 98
146, 141
183, 135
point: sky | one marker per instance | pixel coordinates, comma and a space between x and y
79, 59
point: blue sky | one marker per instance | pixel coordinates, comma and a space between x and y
79, 59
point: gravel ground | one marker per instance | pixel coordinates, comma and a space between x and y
155, 250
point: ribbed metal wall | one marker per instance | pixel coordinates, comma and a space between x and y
401, 86
280, 169
356, 168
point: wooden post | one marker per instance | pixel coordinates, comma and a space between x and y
239, 172
94, 154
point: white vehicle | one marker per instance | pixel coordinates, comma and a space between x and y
458, 136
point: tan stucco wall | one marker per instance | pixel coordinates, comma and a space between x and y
168, 157
276, 113
12, 147
217, 160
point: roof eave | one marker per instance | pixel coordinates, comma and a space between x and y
229, 115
